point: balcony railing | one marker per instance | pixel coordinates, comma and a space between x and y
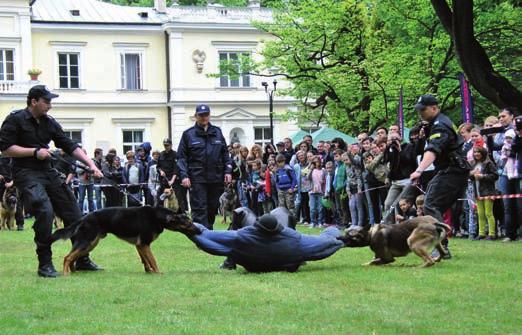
16, 87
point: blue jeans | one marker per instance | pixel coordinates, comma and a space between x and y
356, 204
81, 196
98, 196
316, 209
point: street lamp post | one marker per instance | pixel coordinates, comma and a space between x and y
270, 92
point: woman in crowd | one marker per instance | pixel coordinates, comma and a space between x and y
240, 173
134, 176
270, 151
113, 171
255, 153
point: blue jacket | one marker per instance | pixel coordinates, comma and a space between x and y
141, 173
203, 155
257, 251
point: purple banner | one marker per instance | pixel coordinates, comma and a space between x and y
400, 114
467, 101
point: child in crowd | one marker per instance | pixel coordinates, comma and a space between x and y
510, 163
256, 187
286, 183
302, 168
484, 173
329, 193
266, 196
272, 167
317, 178
419, 204
405, 210
340, 188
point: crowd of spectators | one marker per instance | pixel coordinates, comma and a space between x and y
334, 183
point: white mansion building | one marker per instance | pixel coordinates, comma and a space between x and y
131, 74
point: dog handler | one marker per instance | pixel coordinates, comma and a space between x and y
267, 245
443, 150
204, 163
25, 136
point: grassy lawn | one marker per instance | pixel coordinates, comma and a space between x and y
479, 291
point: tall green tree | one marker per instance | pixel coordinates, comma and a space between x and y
459, 22
347, 59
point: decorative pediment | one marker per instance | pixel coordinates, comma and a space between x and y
238, 114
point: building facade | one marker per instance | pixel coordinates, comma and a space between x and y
126, 75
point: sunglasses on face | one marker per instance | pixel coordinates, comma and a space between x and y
203, 114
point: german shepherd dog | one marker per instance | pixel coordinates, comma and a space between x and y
137, 225
387, 241
228, 201
169, 199
8, 208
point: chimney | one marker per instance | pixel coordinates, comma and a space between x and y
160, 6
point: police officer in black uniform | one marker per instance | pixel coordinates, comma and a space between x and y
25, 136
443, 150
204, 163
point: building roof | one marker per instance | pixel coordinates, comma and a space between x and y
92, 11
96, 11
327, 134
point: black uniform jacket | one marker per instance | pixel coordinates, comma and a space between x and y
21, 128
445, 141
203, 155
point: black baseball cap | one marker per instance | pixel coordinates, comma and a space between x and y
41, 91
269, 224
425, 101
167, 141
280, 144
202, 109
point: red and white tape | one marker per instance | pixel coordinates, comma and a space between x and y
504, 196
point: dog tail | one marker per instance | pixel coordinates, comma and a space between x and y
67, 232
442, 228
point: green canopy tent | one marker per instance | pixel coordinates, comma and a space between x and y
298, 136
327, 134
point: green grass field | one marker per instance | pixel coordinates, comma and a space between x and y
477, 292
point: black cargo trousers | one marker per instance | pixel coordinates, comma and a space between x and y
443, 191
45, 193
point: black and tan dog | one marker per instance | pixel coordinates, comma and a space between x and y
137, 225
387, 241
228, 202
170, 200
8, 208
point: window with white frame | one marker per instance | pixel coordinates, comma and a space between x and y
243, 80
6, 64
262, 135
75, 135
69, 69
131, 71
132, 138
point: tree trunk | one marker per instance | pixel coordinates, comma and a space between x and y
472, 57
